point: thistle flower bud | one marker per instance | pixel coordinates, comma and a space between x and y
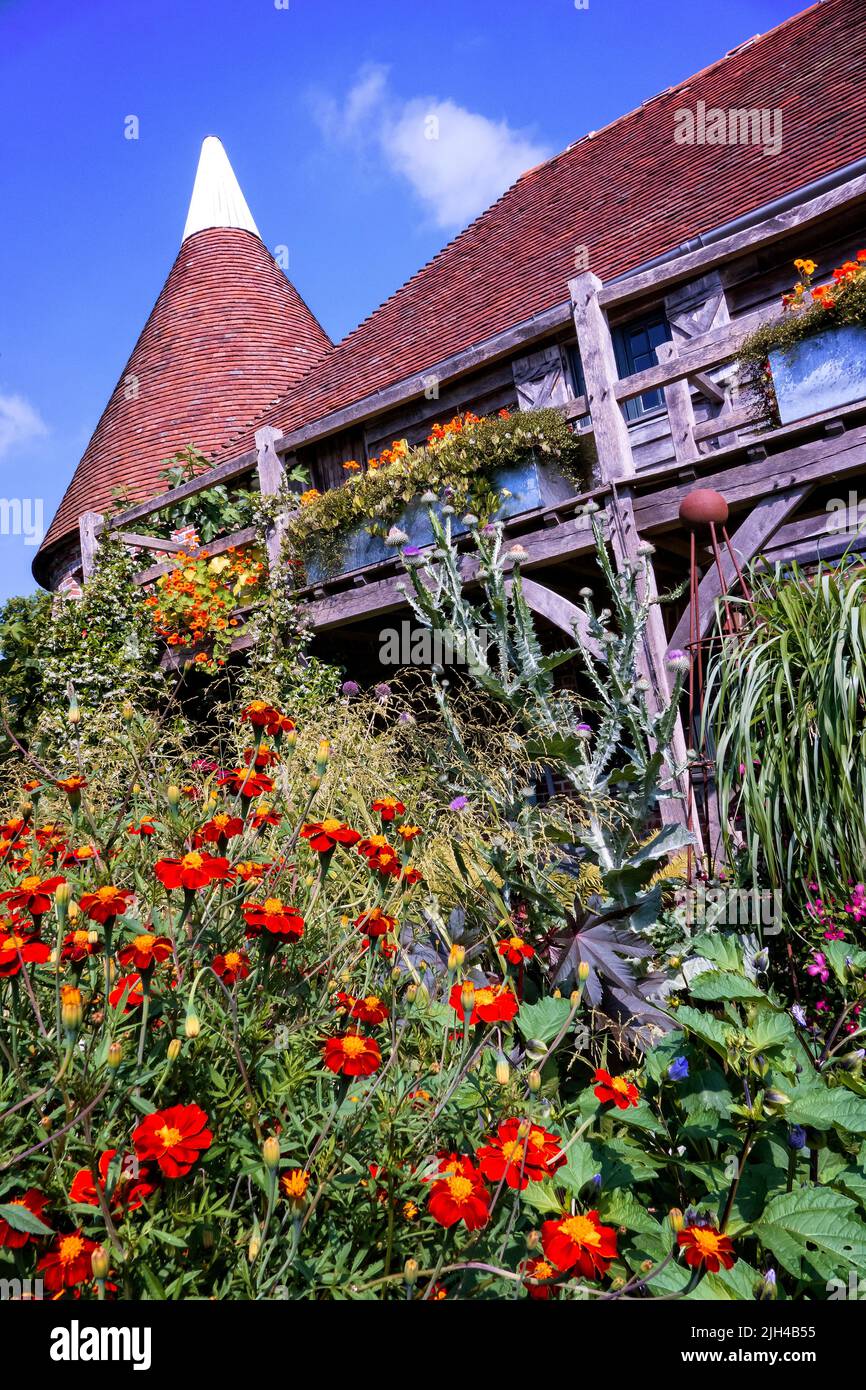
410, 1273
173, 1049
99, 1262
271, 1152
192, 1026
172, 796
114, 1056
503, 1069
534, 1081
767, 1289
456, 957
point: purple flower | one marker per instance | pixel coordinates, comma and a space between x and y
798, 1013
796, 1137
410, 550
583, 730
351, 688
383, 690
204, 765
677, 660
459, 803
678, 1069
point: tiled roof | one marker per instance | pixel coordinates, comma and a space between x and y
226, 337
627, 192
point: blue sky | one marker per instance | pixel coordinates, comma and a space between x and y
313, 100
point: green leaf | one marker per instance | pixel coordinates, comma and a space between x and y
825, 1108
622, 1208
721, 949
20, 1219
814, 1233
723, 984
579, 1168
704, 1026
541, 1196
544, 1019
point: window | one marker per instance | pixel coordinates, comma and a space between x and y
634, 345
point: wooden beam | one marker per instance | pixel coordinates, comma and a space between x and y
612, 442
678, 403
562, 613
710, 350
217, 547
140, 542
89, 526
749, 538
760, 234
220, 473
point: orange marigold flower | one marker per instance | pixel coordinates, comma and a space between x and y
273, 916
515, 949
231, 967
248, 870
218, 830
707, 1247
145, 951
294, 1184
265, 815
490, 1003
389, 807
106, 903
33, 1201
580, 1243
174, 1138
325, 835
307, 498
33, 894
520, 1156
193, 870
369, 1009
246, 782
375, 922
67, 1262
461, 1195
352, 466
20, 947
623, 1093
260, 714
352, 1054
77, 946
73, 786
534, 1270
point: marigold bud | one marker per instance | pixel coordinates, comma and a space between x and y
114, 1056
63, 896
535, 1080
583, 971
73, 912
557, 994
99, 1262
172, 796
503, 1069
574, 998
323, 757
410, 1272
127, 712
253, 1248
456, 957
676, 1220
71, 1009
532, 1239
92, 937
467, 997
173, 1050
192, 1026
411, 993
271, 1152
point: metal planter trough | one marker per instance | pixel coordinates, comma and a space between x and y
530, 484
820, 373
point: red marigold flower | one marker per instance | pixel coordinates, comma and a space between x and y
275, 916
193, 870
107, 902
265, 716
580, 1243
248, 870
175, 1138
67, 1262
461, 1195
375, 922
515, 949
519, 1152
369, 1009
380, 854
145, 951
408, 832
539, 1269
262, 756
352, 1054
14, 828
623, 1093
265, 815
20, 946
706, 1246
130, 1188
389, 807
490, 1003
411, 876
248, 783
131, 986
141, 827
73, 786
77, 946
325, 835
33, 1201
218, 830
231, 967
33, 894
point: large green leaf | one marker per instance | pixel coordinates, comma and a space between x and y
544, 1019
704, 1026
622, 1208
20, 1219
723, 984
825, 1107
815, 1233
579, 1168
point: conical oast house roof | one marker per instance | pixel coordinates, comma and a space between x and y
227, 335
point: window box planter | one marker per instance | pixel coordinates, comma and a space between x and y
532, 483
820, 373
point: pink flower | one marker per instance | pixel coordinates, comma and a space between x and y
819, 968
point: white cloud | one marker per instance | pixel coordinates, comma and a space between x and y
456, 161
19, 422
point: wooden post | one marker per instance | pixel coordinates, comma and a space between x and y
89, 526
271, 476
681, 415
616, 465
